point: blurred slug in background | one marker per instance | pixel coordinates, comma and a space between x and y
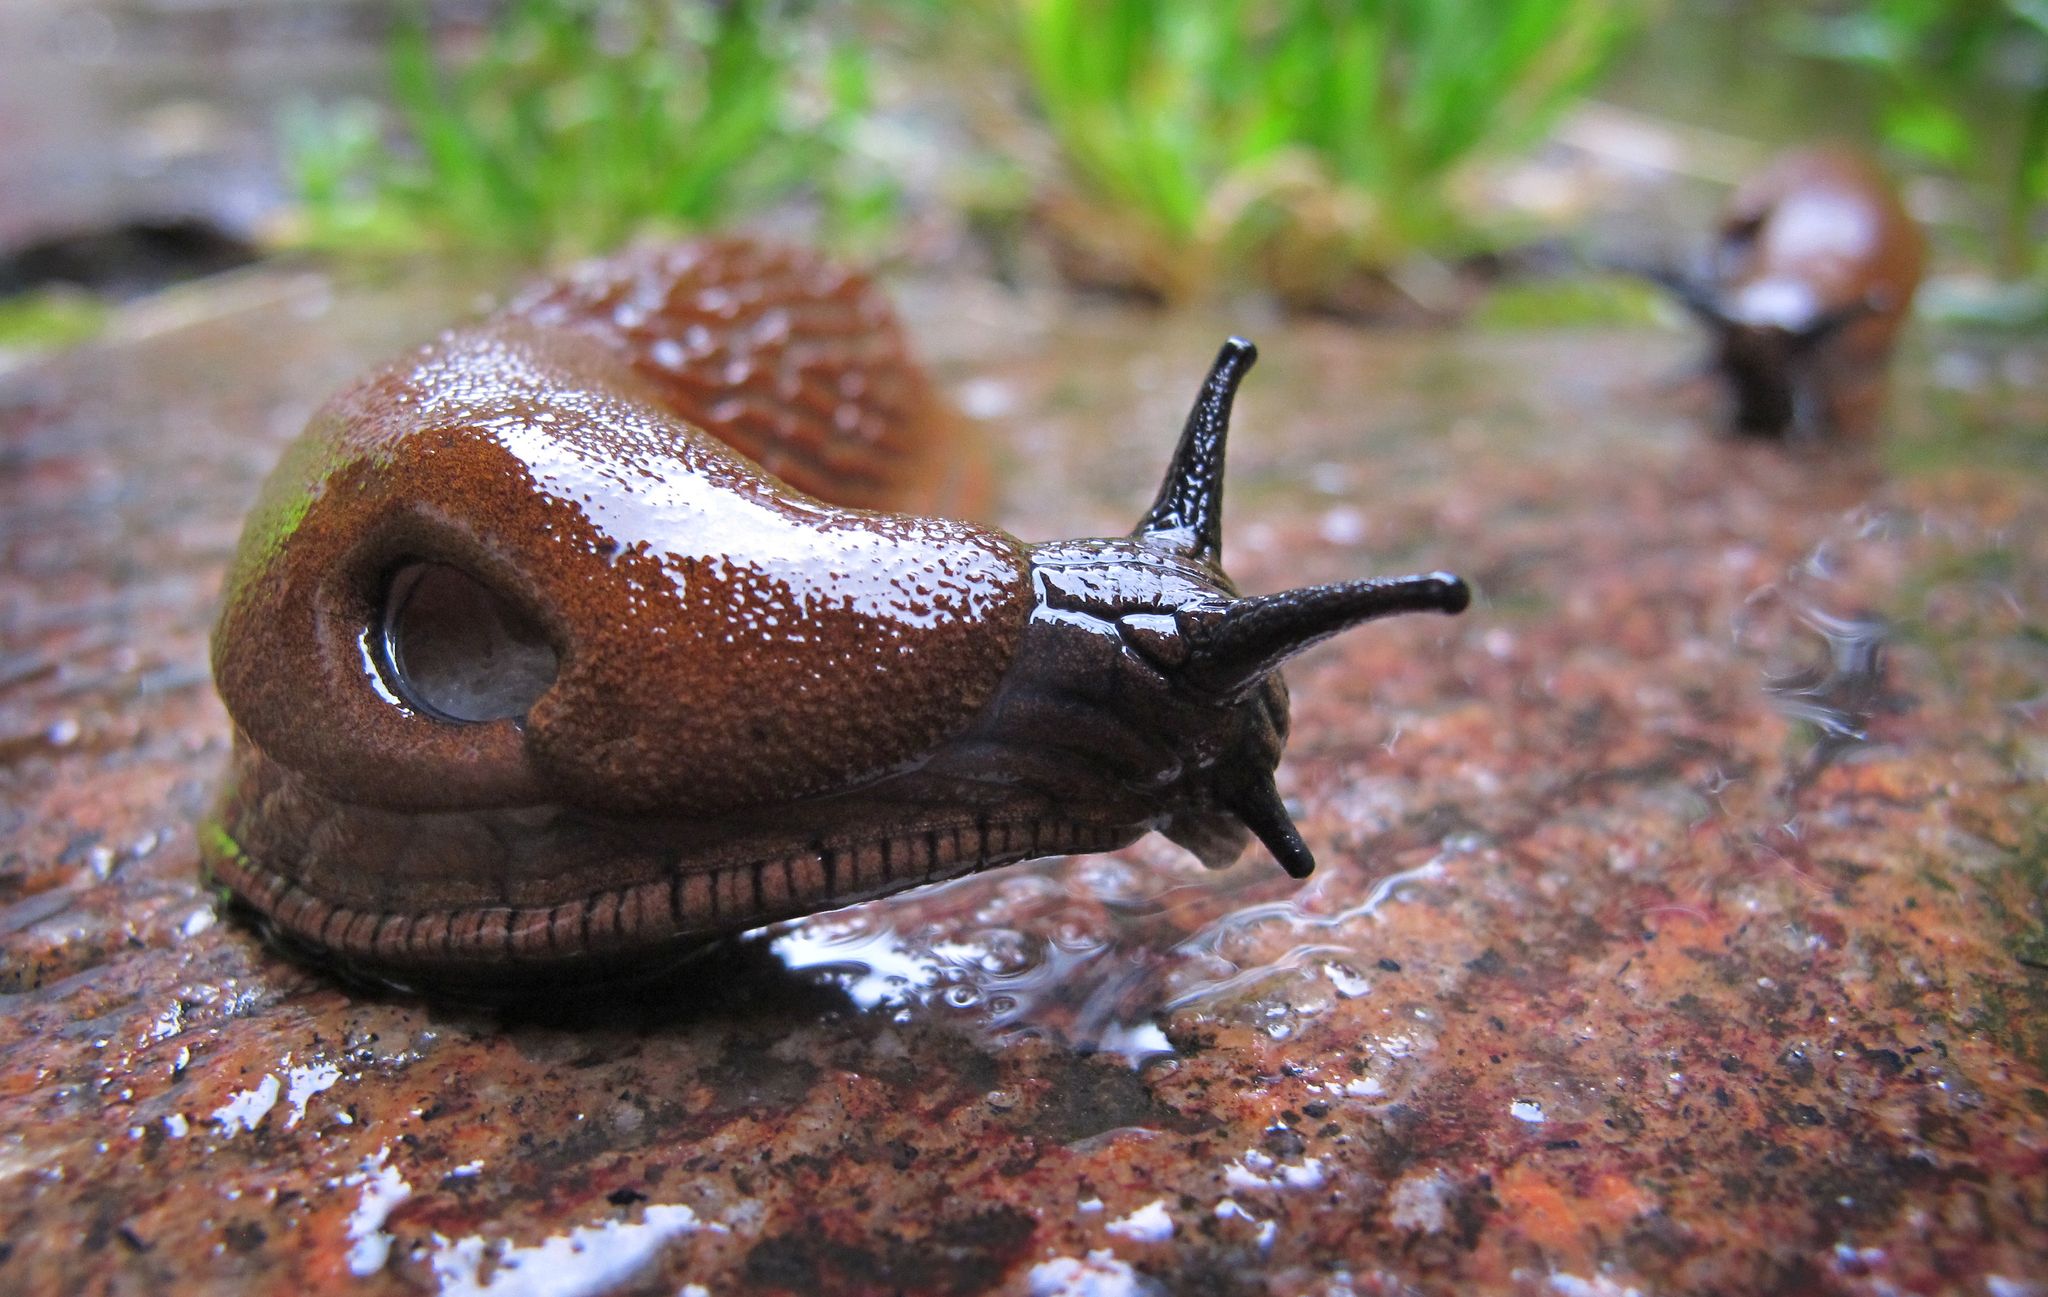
576, 639
1810, 276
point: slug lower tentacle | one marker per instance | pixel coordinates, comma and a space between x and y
1810, 277
533, 671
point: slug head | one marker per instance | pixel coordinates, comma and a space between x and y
1775, 369
1770, 339
1154, 633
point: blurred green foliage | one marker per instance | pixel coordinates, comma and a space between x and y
1300, 145
46, 319
1582, 301
1963, 85
578, 123
1299, 139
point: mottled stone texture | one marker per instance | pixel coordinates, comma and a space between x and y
1679, 925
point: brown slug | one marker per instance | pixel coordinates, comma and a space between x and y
1809, 278
536, 667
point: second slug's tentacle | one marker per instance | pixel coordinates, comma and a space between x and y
1689, 290
1827, 325
1696, 297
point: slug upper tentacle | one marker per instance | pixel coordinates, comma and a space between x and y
531, 670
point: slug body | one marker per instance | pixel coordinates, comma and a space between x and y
1810, 276
535, 668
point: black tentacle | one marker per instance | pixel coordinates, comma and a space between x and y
1245, 639
1189, 509
1692, 291
1254, 799
1825, 326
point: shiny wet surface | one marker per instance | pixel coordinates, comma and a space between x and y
1678, 925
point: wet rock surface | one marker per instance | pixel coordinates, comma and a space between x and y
1679, 924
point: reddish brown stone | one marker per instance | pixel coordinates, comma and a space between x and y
1614, 975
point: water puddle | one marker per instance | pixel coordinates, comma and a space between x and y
1892, 610
1103, 956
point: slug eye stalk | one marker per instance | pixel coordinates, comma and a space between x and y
1187, 516
1233, 648
1233, 643
1225, 649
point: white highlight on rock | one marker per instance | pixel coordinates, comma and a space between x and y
302, 1083
1571, 1285
588, 1260
247, 1108
1258, 1171
383, 1189
1527, 1110
1100, 1275
1268, 1230
1342, 525
1421, 1202
1148, 1224
1349, 983
987, 398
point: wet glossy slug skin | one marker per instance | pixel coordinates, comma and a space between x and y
533, 673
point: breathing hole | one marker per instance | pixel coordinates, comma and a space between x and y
459, 650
